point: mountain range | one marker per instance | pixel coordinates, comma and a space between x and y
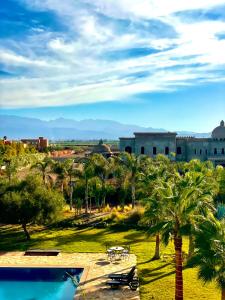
15, 127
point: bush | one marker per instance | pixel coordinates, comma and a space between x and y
128, 218
117, 216
135, 216
107, 208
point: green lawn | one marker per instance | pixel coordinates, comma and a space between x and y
156, 277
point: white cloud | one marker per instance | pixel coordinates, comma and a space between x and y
74, 67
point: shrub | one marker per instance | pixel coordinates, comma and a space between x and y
135, 216
107, 208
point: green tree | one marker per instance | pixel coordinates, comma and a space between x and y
11, 167
86, 172
209, 255
45, 168
185, 198
133, 165
30, 202
155, 171
207, 170
103, 168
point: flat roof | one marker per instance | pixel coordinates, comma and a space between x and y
155, 133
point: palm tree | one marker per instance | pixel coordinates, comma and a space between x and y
65, 173
207, 170
151, 176
86, 173
103, 168
134, 165
11, 167
209, 255
44, 167
185, 196
121, 182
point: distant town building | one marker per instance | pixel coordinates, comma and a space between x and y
40, 143
184, 148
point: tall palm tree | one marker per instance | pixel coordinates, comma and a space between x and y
152, 173
65, 174
209, 255
11, 167
121, 182
183, 196
103, 168
134, 166
207, 170
44, 167
86, 172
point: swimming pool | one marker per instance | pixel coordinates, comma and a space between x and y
38, 283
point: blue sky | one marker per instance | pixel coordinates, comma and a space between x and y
153, 63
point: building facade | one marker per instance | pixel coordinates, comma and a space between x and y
40, 143
184, 148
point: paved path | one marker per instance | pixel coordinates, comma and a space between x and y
96, 268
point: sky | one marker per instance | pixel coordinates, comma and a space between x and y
155, 63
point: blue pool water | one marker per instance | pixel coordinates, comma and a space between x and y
38, 283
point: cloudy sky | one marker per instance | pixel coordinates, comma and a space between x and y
154, 63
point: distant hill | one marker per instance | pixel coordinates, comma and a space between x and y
15, 127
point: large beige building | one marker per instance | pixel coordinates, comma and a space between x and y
185, 148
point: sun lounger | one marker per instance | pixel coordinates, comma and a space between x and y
39, 252
128, 280
123, 275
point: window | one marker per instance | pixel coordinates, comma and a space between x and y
222, 152
195, 151
128, 149
142, 150
215, 151
179, 151
206, 151
154, 151
200, 152
167, 150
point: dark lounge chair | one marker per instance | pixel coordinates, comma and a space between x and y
129, 280
123, 275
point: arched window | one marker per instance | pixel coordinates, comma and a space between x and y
222, 152
128, 149
200, 152
154, 151
215, 151
167, 150
195, 151
179, 151
206, 151
142, 150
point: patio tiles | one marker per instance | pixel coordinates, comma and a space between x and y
96, 269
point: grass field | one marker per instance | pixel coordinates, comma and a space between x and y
156, 277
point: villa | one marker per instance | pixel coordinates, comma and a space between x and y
184, 148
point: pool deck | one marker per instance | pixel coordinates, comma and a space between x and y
96, 268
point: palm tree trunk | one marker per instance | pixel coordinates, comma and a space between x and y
179, 268
86, 196
157, 247
191, 246
103, 193
71, 197
90, 206
24, 226
43, 176
223, 294
133, 193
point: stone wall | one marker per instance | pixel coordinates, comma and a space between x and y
160, 141
190, 147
